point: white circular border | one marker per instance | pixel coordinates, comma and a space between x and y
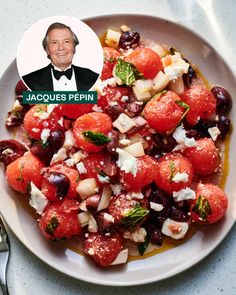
31, 56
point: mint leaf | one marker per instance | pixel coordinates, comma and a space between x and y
97, 138
134, 217
202, 207
52, 225
142, 247
127, 72
183, 105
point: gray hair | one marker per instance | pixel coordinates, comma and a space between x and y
58, 26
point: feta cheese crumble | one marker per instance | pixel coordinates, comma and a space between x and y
180, 177
126, 162
183, 141
184, 194
214, 133
38, 200
174, 229
44, 135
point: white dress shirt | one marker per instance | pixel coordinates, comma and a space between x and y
64, 84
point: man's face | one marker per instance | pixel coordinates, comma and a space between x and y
60, 47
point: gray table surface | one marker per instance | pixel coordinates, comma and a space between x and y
215, 20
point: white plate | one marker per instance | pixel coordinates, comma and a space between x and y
160, 266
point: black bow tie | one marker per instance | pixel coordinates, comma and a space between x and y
58, 74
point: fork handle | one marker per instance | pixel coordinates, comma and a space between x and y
4, 290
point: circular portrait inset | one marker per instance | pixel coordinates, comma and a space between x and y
59, 53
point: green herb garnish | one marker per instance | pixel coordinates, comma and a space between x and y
97, 138
52, 225
44, 144
28, 187
172, 170
21, 177
202, 207
134, 217
183, 105
142, 247
100, 172
127, 72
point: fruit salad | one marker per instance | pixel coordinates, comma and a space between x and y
141, 166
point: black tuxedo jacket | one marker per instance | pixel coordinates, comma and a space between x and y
42, 79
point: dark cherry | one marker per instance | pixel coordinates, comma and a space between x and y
160, 197
188, 77
20, 87
92, 202
16, 150
129, 39
154, 233
104, 225
114, 143
60, 181
223, 124
45, 152
224, 100
203, 126
114, 111
166, 144
178, 215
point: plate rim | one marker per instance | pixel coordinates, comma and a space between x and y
184, 266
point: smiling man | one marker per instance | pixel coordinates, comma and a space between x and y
60, 44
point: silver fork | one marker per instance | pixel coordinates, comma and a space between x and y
4, 256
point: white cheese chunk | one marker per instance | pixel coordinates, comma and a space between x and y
156, 207
112, 38
174, 229
38, 200
214, 132
184, 194
174, 66
81, 168
121, 257
116, 189
123, 123
138, 235
51, 107
60, 156
69, 139
181, 138
45, 134
180, 177
126, 162
109, 217
97, 109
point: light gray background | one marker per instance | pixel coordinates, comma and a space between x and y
215, 20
